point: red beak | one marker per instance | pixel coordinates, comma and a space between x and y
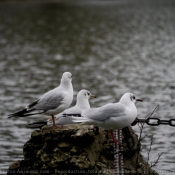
139, 100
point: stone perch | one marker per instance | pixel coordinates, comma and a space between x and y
80, 149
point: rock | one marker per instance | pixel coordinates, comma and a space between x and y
81, 149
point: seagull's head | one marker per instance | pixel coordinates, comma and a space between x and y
128, 98
67, 76
85, 94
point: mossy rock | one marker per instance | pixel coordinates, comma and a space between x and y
83, 148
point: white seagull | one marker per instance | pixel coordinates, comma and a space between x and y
63, 118
111, 116
52, 102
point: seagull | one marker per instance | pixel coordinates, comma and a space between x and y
52, 102
63, 118
112, 115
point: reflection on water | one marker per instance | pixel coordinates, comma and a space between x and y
110, 48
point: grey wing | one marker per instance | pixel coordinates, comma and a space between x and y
73, 110
67, 112
105, 112
62, 119
50, 100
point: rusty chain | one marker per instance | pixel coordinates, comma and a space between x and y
153, 121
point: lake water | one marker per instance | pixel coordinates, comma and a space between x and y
110, 47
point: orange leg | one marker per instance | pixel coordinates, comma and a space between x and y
53, 119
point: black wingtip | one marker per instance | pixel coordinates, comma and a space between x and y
24, 113
18, 114
12, 115
37, 125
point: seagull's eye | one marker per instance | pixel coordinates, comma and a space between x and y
134, 97
88, 93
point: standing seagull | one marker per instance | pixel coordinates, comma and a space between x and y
52, 102
111, 116
63, 118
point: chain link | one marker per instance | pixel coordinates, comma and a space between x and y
154, 121
171, 122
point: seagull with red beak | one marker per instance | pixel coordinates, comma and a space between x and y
112, 115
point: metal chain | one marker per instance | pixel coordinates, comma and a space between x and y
121, 154
154, 121
116, 153
118, 156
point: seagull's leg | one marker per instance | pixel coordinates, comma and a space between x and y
53, 119
114, 138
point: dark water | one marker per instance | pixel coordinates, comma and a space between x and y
110, 47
